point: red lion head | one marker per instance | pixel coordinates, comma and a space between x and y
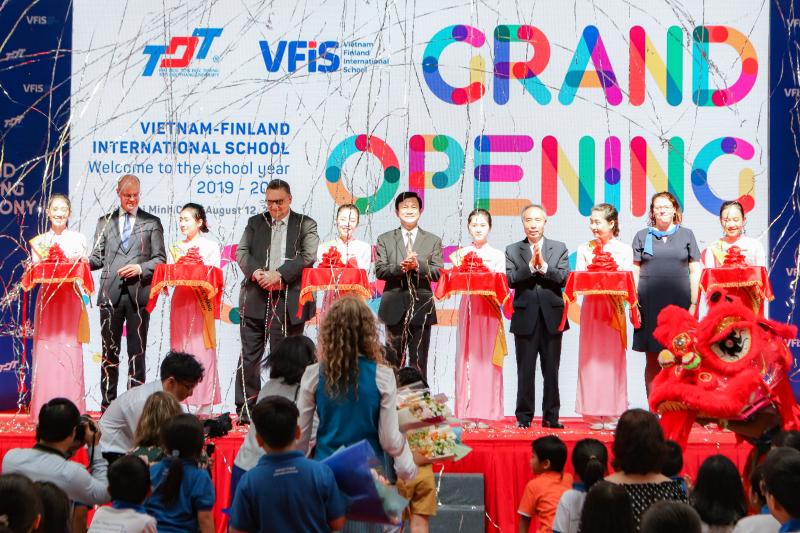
726, 367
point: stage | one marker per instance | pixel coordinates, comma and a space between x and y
501, 452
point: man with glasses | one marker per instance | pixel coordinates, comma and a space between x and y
180, 374
128, 244
275, 248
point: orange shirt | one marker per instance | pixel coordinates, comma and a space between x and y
541, 497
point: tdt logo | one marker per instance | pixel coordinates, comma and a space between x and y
202, 36
320, 59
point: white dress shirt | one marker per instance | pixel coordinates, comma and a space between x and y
122, 219
118, 423
110, 520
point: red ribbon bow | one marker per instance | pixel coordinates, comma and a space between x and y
471, 263
192, 257
332, 259
602, 261
734, 257
55, 255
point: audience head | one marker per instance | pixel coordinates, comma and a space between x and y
757, 498
664, 209
668, 516
288, 361
782, 483
347, 217
638, 443
275, 419
279, 199
20, 505
159, 407
181, 438
673, 459
549, 454
348, 331
718, 495
129, 480
192, 220
409, 375
590, 461
180, 374
56, 508
58, 420
787, 439
607, 509
128, 190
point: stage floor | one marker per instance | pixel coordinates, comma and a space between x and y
500, 451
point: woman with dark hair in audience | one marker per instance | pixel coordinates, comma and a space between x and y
671, 517
286, 364
56, 509
590, 461
20, 505
607, 509
183, 494
639, 451
158, 409
718, 495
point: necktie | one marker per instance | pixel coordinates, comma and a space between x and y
276, 246
409, 242
126, 230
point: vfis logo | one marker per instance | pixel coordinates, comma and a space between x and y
187, 46
319, 57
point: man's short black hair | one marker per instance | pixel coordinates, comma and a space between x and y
409, 375
128, 480
279, 184
782, 478
275, 418
552, 448
183, 367
57, 419
290, 358
405, 196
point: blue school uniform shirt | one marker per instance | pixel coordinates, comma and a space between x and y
197, 494
286, 492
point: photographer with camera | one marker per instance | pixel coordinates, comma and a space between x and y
60, 433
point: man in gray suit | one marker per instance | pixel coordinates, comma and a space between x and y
537, 270
275, 248
128, 244
408, 260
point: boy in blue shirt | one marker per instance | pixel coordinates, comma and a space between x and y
285, 491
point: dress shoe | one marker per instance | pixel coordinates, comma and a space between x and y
524, 424
597, 426
553, 424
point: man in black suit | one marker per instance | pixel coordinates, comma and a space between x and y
275, 248
537, 270
128, 244
408, 259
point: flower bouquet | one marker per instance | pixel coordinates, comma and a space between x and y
437, 443
419, 408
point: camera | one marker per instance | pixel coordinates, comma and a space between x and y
217, 427
80, 431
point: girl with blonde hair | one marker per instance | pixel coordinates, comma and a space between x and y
158, 409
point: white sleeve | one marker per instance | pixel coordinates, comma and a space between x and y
391, 439
761, 258
307, 405
581, 260
364, 258
214, 254
89, 489
561, 521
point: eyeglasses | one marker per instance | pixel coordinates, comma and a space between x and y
663, 208
276, 202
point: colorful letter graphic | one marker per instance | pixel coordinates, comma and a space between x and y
419, 178
485, 145
711, 151
526, 72
613, 173
591, 48
701, 94
391, 173
643, 54
580, 186
430, 65
645, 166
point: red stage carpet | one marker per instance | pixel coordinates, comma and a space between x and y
501, 453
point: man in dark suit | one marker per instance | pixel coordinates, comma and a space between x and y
408, 259
537, 270
128, 244
275, 248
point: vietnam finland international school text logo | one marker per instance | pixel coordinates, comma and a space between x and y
184, 55
317, 56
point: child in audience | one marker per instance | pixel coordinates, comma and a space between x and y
673, 464
420, 491
285, 491
543, 492
56, 508
669, 516
782, 487
183, 494
590, 461
129, 486
762, 522
718, 495
607, 509
20, 506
